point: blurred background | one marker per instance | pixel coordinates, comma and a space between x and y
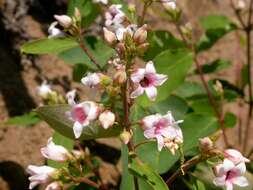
20, 75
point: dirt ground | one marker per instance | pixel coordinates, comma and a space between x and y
19, 146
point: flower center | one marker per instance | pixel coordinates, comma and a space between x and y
148, 80
79, 115
231, 174
160, 125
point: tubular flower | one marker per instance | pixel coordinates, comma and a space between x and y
40, 175
107, 119
229, 174
55, 32
147, 80
235, 156
82, 114
164, 129
91, 79
55, 152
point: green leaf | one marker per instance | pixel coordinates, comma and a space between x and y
88, 9
146, 173
160, 41
56, 117
24, 120
100, 51
176, 65
202, 106
127, 181
59, 139
216, 26
191, 90
47, 46
79, 71
215, 66
230, 120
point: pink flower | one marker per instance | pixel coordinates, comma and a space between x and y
235, 156
147, 80
229, 174
107, 119
40, 175
164, 129
114, 17
56, 185
64, 20
55, 152
82, 114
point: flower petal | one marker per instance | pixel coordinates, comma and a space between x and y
150, 68
151, 92
240, 168
149, 121
139, 91
77, 128
149, 133
160, 142
160, 79
241, 181
138, 75
220, 181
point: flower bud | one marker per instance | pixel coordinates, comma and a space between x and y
125, 136
205, 144
91, 79
169, 5
109, 36
141, 34
142, 48
107, 119
77, 14
56, 185
218, 87
64, 20
120, 76
121, 48
131, 7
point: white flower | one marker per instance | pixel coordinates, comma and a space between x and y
235, 156
40, 175
44, 90
169, 4
55, 152
55, 32
228, 174
120, 31
91, 79
164, 129
107, 119
114, 17
71, 97
56, 185
147, 80
82, 114
64, 20
100, 1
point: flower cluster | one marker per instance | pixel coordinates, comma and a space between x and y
46, 174
164, 129
230, 172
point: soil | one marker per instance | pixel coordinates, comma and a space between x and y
20, 75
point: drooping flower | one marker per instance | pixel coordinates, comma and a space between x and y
235, 156
55, 152
147, 80
169, 4
55, 32
100, 1
164, 129
44, 90
82, 114
107, 119
91, 79
40, 175
64, 20
56, 185
114, 17
229, 174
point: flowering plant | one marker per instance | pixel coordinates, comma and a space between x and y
168, 123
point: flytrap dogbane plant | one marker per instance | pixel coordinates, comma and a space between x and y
122, 109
